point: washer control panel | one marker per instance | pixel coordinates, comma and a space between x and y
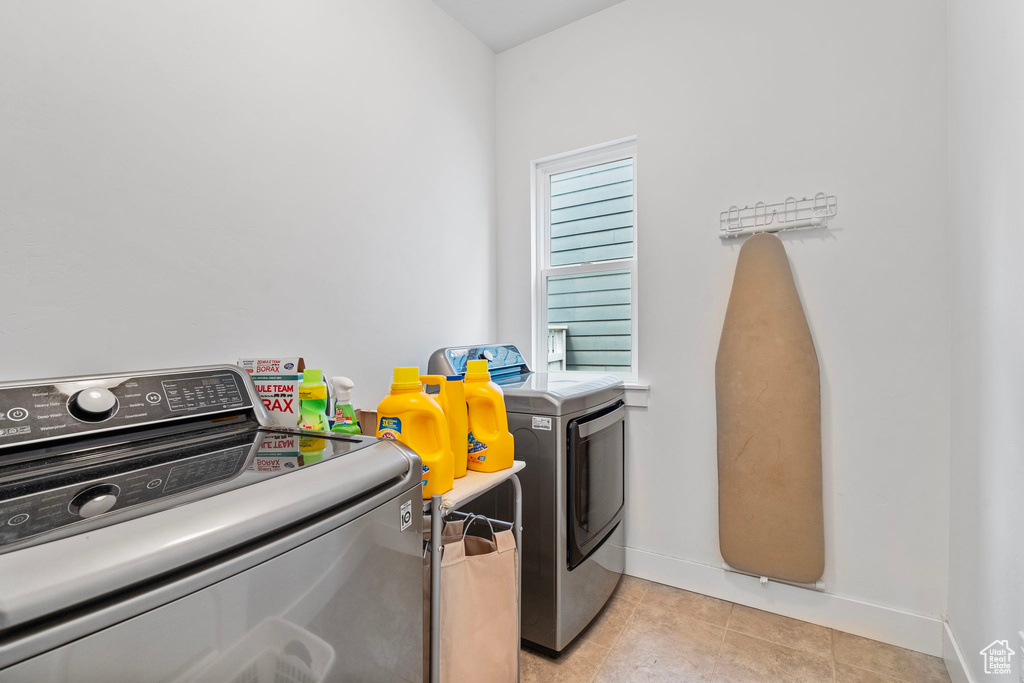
94, 404
41, 512
502, 360
94, 500
77, 406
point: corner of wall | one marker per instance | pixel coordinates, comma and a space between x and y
956, 666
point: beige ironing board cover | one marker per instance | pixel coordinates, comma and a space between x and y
769, 423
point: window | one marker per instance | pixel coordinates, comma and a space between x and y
586, 262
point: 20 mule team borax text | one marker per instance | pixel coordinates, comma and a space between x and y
277, 380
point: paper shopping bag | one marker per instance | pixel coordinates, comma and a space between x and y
479, 615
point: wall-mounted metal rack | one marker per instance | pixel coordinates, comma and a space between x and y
792, 214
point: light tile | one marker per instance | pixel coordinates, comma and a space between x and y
662, 644
579, 663
631, 589
652, 632
610, 623
745, 659
890, 660
847, 673
799, 635
687, 604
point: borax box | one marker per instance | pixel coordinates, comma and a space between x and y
277, 452
277, 380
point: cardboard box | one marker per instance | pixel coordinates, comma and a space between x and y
276, 463
277, 380
277, 452
367, 420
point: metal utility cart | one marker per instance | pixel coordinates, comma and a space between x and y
466, 489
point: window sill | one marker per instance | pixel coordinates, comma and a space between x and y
636, 394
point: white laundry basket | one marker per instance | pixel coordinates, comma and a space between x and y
276, 651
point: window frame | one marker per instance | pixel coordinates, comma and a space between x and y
542, 170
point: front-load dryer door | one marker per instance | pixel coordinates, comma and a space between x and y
596, 458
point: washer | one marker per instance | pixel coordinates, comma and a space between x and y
155, 526
569, 427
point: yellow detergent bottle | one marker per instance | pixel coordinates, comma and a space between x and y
491, 447
410, 416
452, 399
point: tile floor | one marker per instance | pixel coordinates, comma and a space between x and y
651, 632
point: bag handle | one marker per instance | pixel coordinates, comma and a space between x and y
504, 541
472, 519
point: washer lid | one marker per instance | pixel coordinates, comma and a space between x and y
560, 393
50, 577
79, 491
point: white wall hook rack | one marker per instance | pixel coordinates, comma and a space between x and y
792, 214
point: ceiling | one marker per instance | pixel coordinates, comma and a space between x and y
502, 24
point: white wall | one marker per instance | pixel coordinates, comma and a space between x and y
735, 101
190, 182
986, 160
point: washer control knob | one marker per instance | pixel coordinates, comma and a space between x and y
93, 405
94, 500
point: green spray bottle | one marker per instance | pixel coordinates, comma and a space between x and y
344, 415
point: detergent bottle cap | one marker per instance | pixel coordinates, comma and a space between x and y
342, 389
406, 378
312, 376
477, 370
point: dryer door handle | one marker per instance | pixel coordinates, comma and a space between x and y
588, 429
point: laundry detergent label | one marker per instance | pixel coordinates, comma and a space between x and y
477, 451
475, 446
389, 428
426, 476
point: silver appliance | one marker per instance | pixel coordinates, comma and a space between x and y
154, 526
569, 428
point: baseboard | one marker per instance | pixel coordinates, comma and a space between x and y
904, 629
956, 665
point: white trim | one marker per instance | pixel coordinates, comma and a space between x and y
953, 656
541, 170
623, 142
637, 395
539, 359
896, 627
